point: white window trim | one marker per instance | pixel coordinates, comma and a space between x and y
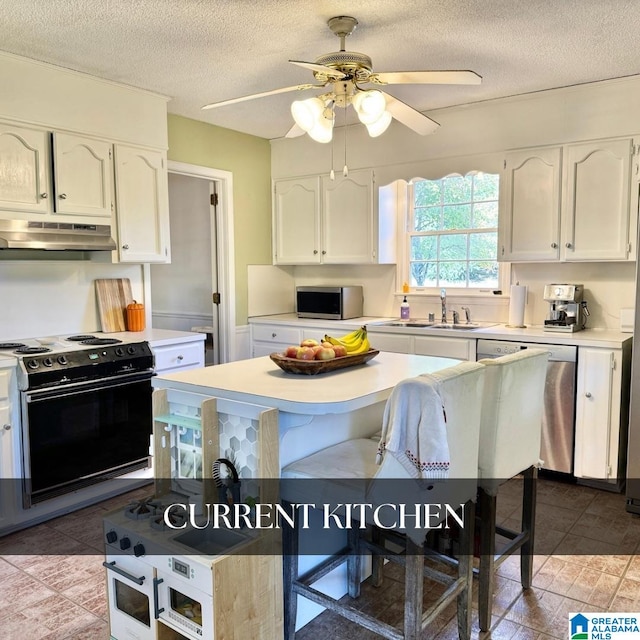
403, 275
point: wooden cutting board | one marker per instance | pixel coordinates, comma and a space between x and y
113, 295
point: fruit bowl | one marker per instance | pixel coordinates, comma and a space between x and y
314, 367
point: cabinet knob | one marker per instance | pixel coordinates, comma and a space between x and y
315, 251
324, 252
568, 245
273, 335
180, 358
125, 246
44, 196
63, 196
6, 427
587, 394
554, 245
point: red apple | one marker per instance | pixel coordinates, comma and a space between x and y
291, 352
309, 342
325, 353
339, 350
326, 345
305, 353
317, 348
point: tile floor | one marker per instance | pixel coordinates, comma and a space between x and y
62, 597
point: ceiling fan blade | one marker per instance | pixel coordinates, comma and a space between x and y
295, 132
320, 68
426, 77
409, 116
264, 94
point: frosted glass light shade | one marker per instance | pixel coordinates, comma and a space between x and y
307, 113
380, 125
322, 131
369, 105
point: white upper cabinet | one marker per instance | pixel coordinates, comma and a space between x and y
595, 222
530, 192
142, 204
82, 173
569, 203
296, 221
25, 183
324, 221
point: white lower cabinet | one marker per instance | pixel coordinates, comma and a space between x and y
439, 346
601, 414
272, 338
9, 442
178, 356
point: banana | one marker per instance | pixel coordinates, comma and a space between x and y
362, 348
354, 342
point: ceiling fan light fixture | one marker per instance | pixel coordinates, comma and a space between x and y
380, 125
307, 113
369, 105
322, 131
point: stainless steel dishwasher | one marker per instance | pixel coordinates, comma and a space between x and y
558, 422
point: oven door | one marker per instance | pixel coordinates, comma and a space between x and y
82, 433
131, 599
183, 607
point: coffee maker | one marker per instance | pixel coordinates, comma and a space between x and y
567, 310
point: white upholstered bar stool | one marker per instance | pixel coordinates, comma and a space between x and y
460, 389
510, 432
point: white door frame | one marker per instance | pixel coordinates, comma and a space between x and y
225, 251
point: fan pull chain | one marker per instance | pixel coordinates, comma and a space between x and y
332, 174
345, 169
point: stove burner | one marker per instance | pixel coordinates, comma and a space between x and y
101, 341
158, 520
80, 338
32, 350
140, 509
12, 345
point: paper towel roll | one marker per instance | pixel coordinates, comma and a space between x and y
516, 305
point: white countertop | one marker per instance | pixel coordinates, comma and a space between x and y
605, 338
155, 337
261, 381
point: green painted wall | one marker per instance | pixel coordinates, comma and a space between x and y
249, 159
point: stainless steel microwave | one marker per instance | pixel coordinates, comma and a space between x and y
329, 303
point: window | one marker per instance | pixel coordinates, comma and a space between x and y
453, 232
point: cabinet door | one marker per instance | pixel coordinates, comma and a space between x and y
530, 192
82, 172
296, 221
596, 446
142, 204
24, 170
596, 200
347, 219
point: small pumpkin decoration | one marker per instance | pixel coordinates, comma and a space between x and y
135, 317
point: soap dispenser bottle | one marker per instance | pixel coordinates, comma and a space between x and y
404, 309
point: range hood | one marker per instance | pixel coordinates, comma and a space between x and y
55, 236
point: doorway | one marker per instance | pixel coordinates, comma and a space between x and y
196, 288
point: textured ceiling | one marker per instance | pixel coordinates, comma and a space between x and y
201, 51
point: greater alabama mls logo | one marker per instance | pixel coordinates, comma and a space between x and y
603, 626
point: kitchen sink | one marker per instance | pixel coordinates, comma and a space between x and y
464, 326
211, 541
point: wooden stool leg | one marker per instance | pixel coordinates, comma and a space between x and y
465, 570
377, 561
487, 506
290, 548
354, 562
528, 525
413, 590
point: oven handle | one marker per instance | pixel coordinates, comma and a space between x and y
112, 567
87, 387
156, 596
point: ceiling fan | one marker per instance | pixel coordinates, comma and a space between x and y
343, 73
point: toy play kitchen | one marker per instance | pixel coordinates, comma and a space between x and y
191, 583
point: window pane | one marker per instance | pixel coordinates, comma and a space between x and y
482, 246
485, 215
457, 216
453, 274
483, 274
485, 186
427, 219
424, 274
457, 189
424, 248
427, 192
453, 247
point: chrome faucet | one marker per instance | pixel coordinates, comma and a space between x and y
443, 301
467, 314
